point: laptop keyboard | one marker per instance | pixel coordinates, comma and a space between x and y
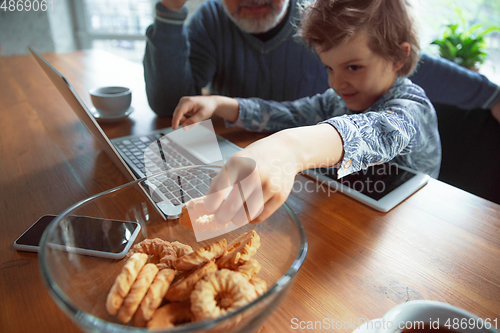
179, 186
134, 150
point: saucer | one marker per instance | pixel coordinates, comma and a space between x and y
109, 119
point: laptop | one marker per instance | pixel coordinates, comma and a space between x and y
135, 155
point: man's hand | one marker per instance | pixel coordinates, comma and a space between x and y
173, 5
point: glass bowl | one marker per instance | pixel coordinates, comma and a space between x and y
80, 283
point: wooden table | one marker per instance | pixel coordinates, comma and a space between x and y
440, 244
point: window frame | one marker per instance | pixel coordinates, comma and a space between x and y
83, 35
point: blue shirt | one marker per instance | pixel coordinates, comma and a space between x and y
401, 126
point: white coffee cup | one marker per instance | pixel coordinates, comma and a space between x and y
434, 316
112, 100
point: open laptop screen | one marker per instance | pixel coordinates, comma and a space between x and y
83, 113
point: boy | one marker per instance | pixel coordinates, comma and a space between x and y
371, 115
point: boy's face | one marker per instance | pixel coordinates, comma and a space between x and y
357, 74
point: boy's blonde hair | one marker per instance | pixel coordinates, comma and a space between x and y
330, 23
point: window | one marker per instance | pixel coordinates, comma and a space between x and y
117, 26
434, 14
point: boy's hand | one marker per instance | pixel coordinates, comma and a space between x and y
195, 109
262, 174
192, 110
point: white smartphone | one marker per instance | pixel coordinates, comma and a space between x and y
96, 237
380, 187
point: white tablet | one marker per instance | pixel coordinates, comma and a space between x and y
381, 186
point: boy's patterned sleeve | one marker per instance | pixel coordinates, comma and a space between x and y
376, 137
259, 115
402, 126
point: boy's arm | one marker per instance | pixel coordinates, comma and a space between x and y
256, 114
259, 115
404, 130
277, 159
310, 154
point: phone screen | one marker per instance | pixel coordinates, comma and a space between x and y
33, 235
84, 233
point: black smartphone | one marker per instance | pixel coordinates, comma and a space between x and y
96, 237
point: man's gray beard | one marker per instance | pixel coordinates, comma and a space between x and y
257, 26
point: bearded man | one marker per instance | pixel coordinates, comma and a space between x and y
248, 48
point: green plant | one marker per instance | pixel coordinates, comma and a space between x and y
462, 44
